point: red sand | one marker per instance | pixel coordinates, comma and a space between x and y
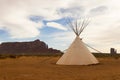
44, 68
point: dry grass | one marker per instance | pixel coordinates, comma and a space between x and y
44, 68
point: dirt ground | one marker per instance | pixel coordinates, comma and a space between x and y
44, 68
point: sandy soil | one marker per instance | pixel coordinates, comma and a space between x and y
44, 68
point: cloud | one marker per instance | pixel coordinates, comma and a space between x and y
60, 40
98, 10
72, 11
56, 25
24, 18
36, 18
27, 30
14, 19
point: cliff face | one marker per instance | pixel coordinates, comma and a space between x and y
36, 47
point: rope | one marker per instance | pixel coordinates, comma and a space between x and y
92, 48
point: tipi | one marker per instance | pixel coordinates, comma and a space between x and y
77, 53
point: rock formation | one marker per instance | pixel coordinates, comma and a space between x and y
36, 47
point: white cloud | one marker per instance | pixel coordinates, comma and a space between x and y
14, 17
56, 25
60, 40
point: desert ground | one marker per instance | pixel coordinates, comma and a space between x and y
44, 68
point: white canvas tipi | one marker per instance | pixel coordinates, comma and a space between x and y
77, 53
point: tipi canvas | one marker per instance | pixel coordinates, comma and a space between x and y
77, 53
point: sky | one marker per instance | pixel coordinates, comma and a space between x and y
27, 20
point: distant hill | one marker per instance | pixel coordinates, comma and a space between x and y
36, 47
